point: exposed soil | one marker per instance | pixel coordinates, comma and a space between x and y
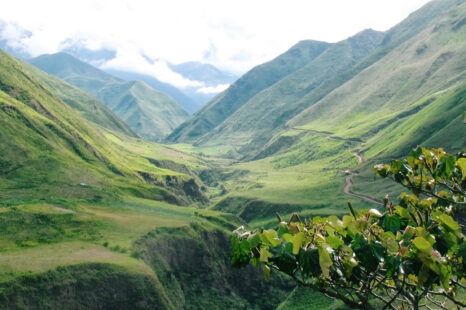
349, 185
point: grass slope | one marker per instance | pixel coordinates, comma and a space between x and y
408, 92
150, 113
266, 114
78, 209
259, 78
87, 106
250, 128
186, 102
50, 152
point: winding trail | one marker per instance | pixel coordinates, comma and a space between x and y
360, 159
348, 190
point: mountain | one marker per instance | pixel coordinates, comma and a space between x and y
89, 217
191, 98
424, 66
149, 113
213, 79
49, 149
251, 124
308, 142
87, 106
93, 57
206, 73
254, 81
210, 79
266, 113
187, 103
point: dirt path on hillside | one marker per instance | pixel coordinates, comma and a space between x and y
360, 159
348, 190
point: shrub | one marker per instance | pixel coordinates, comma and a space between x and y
412, 255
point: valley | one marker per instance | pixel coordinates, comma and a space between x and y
113, 197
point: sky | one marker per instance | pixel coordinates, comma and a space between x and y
231, 35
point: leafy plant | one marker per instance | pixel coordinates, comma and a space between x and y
412, 255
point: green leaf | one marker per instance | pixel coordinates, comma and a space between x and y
266, 272
272, 237
449, 222
240, 252
423, 275
421, 232
403, 212
389, 241
449, 164
349, 265
284, 258
265, 255
416, 152
347, 219
396, 166
378, 250
422, 245
334, 242
462, 164
287, 237
254, 240
391, 223
392, 264
325, 261
297, 242
445, 275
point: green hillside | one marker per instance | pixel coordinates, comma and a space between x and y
409, 91
49, 149
93, 216
262, 116
82, 209
89, 107
266, 113
150, 113
259, 78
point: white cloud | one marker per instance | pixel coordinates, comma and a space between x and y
131, 60
233, 35
213, 89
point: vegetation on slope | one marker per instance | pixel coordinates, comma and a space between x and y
50, 152
407, 92
193, 265
259, 78
150, 113
266, 113
87, 106
411, 256
396, 61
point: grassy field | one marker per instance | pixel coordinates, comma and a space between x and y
39, 237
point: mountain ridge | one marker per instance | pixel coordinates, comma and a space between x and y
155, 115
215, 111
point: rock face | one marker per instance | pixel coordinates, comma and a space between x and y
193, 265
86, 286
186, 189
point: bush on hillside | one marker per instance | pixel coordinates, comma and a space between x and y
412, 255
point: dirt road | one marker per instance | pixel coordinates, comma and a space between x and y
348, 190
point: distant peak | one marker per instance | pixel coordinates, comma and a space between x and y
368, 32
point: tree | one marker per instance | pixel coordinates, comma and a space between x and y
413, 255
